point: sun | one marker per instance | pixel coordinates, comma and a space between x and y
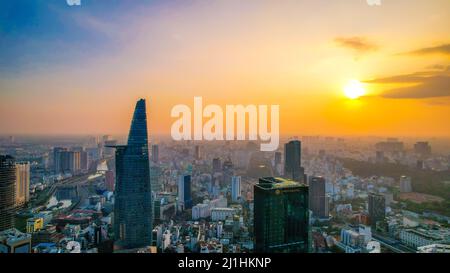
354, 89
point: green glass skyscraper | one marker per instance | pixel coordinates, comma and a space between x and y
133, 197
281, 216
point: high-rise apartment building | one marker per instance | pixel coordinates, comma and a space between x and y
22, 183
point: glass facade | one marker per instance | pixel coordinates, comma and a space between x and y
133, 197
281, 216
293, 160
377, 208
7, 191
184, 191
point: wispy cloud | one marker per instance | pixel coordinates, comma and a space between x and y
440, 49
419, 85
358, 44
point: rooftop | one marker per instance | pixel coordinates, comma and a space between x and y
278, 182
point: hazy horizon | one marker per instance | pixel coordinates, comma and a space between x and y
80, 70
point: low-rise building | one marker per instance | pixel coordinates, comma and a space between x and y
14, 241
34, 224
419, 237
434, 248
221, 214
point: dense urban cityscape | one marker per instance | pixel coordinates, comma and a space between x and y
224, 135
316, 194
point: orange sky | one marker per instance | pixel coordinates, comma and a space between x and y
298, 54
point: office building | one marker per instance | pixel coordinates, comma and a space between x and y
22, 183
281, 216
7, 191
133, 196
377, 208
292, 161
184, 192
235, 188
318, 200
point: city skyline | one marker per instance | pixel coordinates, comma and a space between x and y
67, 69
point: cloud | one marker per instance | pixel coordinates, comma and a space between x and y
440, 49
357, 43
420, 85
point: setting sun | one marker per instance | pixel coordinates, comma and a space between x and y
354, 89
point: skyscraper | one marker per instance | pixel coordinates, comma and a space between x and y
281, 216
83, 157
184, 191
7, 191
318, 200
293, 160
57, 159
235, 188
74, 162
67, 161
155, 153
133, 197
377, 208
22, 183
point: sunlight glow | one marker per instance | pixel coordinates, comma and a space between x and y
354, 89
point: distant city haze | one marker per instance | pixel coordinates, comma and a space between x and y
79, 70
